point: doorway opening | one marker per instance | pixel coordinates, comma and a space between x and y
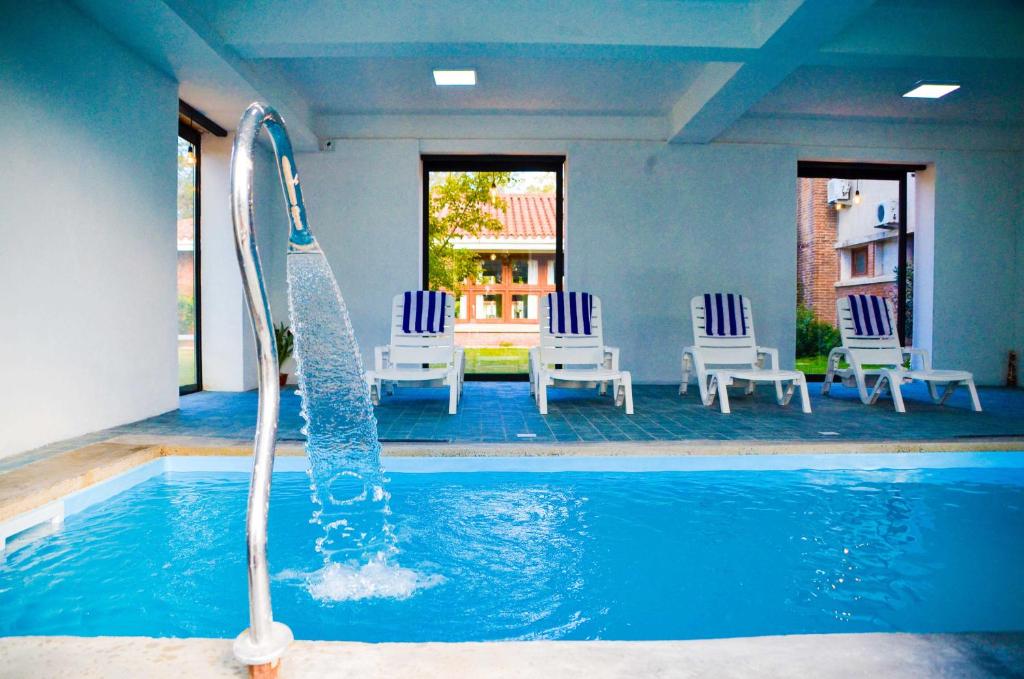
190, 360
492, 237
855, 235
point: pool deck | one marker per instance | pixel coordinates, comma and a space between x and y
503, 413
840, 656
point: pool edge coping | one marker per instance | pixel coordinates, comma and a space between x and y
893, 655
41, 483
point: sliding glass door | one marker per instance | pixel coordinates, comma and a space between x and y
189, 355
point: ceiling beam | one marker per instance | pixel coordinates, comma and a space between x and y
171, 37
724, 91
319, 28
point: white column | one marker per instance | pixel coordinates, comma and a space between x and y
229, 358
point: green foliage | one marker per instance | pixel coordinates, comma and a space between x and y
813, 337
462, 204
186, 182
285, 342
186, 314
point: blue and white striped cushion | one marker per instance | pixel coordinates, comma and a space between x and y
424, 312
569, 313
870, 316
723, 315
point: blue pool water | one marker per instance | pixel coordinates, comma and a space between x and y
552, 555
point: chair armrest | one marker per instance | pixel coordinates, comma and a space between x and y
380, 356
842, 353
695, 353
922, 354
771, 353
611, 358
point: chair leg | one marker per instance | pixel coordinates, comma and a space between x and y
723, 395
975, 402
709, 389
685, 383
805, 397
787, 395
374, 389
778, 393
946, 393
862, 389
542, 395
895, 389
627, 387
453, 393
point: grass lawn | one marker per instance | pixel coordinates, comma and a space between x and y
497, 360
186, 365
812, 365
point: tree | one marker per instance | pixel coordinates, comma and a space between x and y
462, 205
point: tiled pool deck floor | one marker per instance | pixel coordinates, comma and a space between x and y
503, 412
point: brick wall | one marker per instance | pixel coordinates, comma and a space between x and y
817, 263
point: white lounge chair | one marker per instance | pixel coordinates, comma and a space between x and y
422, 352
572, 351
867, 326
725, 353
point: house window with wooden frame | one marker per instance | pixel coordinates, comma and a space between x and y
859, 262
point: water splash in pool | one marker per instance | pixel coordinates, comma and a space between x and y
347, 480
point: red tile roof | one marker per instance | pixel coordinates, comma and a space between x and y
528, 216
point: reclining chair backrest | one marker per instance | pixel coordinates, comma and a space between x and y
422, 328
867, 325
723, 329
570, 329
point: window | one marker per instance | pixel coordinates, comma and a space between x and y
491, 271
189, 354
488, 307
859, 261
520, 271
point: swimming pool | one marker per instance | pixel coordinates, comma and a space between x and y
558, 548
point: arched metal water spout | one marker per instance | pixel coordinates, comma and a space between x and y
264, 642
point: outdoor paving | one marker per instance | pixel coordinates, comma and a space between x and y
503, 412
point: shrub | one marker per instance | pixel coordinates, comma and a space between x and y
186, 314
813, 337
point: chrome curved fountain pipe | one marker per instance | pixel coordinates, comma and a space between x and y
265, 640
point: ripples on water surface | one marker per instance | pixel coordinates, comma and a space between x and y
551, 555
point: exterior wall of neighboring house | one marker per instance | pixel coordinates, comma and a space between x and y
843, 252
502, 307
817, 260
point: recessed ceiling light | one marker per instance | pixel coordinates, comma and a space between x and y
931, 90
461, 77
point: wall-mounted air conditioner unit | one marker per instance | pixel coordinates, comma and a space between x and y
838, 191
888, 214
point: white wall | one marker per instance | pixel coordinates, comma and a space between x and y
648, 225
363, 205
651, 225
229, 360
87, 225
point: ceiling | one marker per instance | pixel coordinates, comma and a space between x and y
684, 71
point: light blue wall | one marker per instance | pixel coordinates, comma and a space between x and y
87, 226
977, 265
650, 225
1018, 301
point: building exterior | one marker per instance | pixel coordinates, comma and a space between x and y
502, 307
848, 246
